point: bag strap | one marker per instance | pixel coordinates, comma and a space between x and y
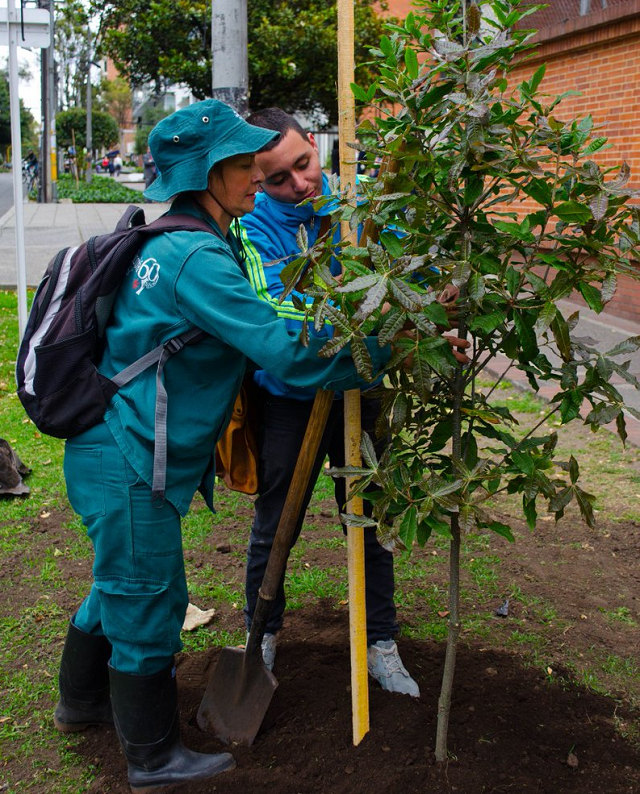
132, 216
159, 354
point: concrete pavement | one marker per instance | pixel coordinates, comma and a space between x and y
49, 227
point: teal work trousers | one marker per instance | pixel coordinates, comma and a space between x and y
139, 597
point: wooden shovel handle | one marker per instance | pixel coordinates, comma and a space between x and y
289, 516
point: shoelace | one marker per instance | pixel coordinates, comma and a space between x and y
391, 661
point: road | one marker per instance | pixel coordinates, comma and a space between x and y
6, 191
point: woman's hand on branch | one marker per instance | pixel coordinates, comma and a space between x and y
458, 346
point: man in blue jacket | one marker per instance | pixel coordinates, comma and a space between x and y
293, 173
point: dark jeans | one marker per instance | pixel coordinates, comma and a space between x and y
282, 424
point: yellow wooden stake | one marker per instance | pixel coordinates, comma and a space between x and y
355, 535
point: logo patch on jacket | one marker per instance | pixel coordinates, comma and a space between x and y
147, 273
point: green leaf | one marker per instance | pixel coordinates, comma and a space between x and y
362, 359
570, 406
539, 285
372, 300
599, 205
400, 412
467, 518
359, 283
487, 323
438, 526
537, 78
367, 451
441, 434
545, 318
572, 212
621, 427
437, 314
378, 255
591, 296
585, 503
629, 345
526, 335
411, 62
409, 300
593, 146
560, 500
476, 287
515, 230
393, 323
354, 520
540, 191
513, 280
359, 93
392, 243
409, 526
530, 512
523, 462
574, 470
302, 239
561, 334
609, 287
501, 529
603, 413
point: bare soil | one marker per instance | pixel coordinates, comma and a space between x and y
515, 726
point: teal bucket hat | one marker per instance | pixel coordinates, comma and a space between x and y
188, 143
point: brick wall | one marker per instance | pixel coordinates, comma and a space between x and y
597, 54
602, 62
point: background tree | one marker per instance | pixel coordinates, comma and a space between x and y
466, 148
151, 115
27, 121
104, 128
72, 53
114, 97
292, 47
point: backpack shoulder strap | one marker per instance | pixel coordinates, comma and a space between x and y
132, 216
181, 222
159, 355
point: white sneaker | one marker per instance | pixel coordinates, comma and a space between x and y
385, 665
268, 650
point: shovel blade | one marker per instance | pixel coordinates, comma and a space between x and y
237, 697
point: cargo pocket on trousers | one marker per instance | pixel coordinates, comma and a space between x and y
136, 612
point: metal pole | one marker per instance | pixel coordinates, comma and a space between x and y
44, 138
50, 130
89, 119
229, 58
45, 141
16, 161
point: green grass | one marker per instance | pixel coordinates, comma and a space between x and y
32, 637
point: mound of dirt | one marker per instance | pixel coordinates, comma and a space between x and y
511, 729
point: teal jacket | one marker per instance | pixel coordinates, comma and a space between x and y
181, 280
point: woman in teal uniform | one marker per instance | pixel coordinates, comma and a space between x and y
118, 659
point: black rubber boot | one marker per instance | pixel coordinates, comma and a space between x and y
83, 682
145, 713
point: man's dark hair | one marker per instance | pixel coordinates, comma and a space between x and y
277, 120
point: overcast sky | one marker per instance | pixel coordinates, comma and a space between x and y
29, 90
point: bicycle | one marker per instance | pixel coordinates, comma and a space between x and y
30, 175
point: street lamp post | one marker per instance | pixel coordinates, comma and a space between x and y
89, 107
230, 62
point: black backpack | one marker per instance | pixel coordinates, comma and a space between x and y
58, 383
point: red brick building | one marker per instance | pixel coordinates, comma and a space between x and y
591, 46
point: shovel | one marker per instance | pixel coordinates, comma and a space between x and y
240, 687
